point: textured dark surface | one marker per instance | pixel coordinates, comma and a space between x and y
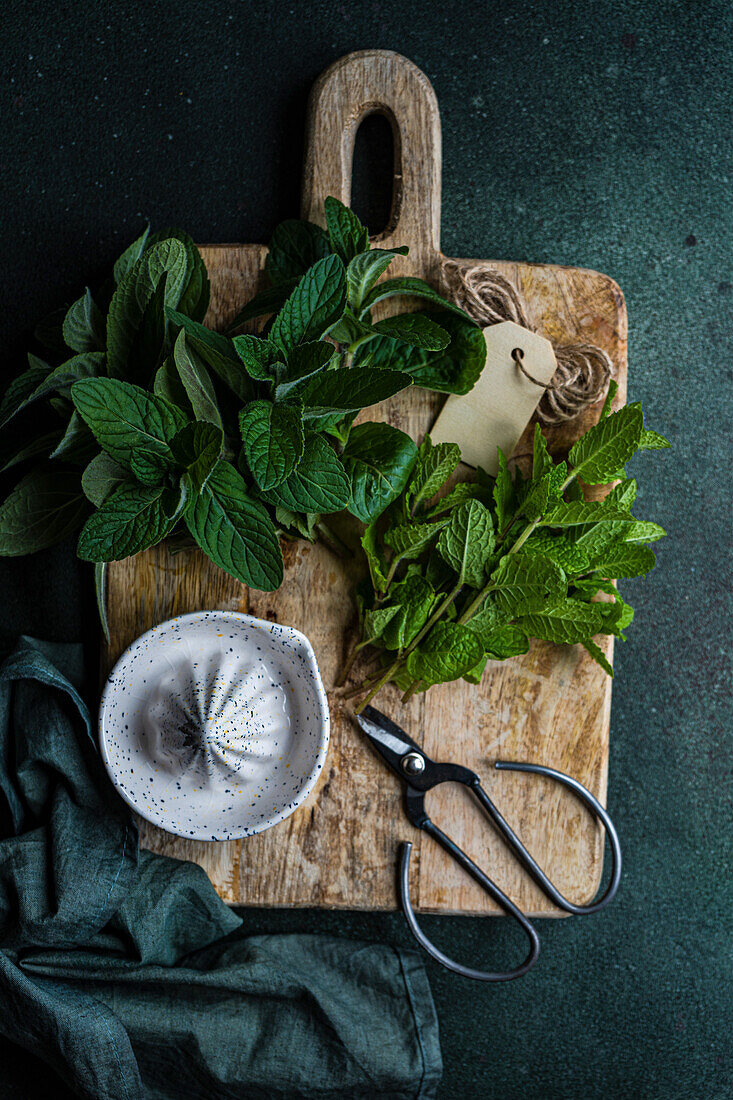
593, 134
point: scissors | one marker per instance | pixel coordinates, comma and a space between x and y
420, 774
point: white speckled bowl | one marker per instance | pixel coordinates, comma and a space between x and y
215, 725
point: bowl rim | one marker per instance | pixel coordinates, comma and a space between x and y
310, 778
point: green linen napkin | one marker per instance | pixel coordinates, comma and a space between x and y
127, 974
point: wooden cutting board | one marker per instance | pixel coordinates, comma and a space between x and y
551, 706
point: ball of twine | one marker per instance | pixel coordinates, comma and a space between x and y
583, 370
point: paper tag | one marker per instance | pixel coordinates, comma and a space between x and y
498, 408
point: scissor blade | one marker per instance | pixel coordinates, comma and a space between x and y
390, 741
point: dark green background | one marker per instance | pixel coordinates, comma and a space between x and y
594, 134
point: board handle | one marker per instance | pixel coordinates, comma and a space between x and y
358, 85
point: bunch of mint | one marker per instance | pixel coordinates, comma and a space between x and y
165, 428
468, 575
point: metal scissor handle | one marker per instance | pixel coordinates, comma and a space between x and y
419, 817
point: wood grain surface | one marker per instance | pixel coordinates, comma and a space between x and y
551, 706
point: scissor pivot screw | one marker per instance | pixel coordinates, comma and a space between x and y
413, 763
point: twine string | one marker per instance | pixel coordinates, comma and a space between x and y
583, 370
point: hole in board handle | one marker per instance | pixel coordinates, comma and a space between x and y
375, 166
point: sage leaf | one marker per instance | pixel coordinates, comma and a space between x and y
449, 652
101, 477
273, 441
132, 426
606, 447
318, 484
84, 326
349, 389
197, 449
196, 381
567, 622
315, 305
415, 329
44, 508
235, 531
523, 583
131, 520
294, 247
467, 542
378, 460
347, 235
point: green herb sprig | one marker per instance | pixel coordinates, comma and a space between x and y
461, 577
165, 429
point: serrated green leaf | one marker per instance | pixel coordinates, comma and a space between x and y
267, 301
235, 531
598, 655
44, 507
408, 540
130, 256
262, 360
319, 484
132, 426
39, 382
218, 352
304, 363
622, 495
21, 390
375, 622
273, 440
77, 444
375, 560
131, 520
362, 273
569, 555
196, 381
652, 441
607, 446
567, 622
503, 492
43, 445
644, 531
378, 459
167, 384
294, 247
415, 329
84, 326
195, 292
608, 402
449, 652
347, 235
579, 513
467, 542
415, 600
459, 494
315, 305
413, 288
626, 561
475, 675
542, 462
525, 583
507, 641
101, 478
197, 449
349, 389
435, 464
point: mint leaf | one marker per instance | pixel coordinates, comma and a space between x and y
347, 235
21, 389
167, 259
132, 426
267, 301
459, 494
84, 326
652, 441
644, 531
525, 582
133, 519
101, 478
362, 273
44, 507
607, 446
196, 381
408, 540
415, 601
622, 495
626, 561
414, 288
194, 296
197, 449
434, 466
375, 561
77, 444
261, 359
567, 622
273, 441
449, 651
475, 674
315, 305
507, 641
503, 492
578, 513
598, 655
40, 446
375, 622
542, 460
294, 247
319, 484
467, 542
349, 389
304, 362
414, 329
130, 256
167, 384
608, 402
378, 459
569, 555
217, 351
453, 370
235, 531
42, 381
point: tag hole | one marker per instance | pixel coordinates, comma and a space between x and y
517, 355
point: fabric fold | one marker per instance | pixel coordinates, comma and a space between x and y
127, 974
